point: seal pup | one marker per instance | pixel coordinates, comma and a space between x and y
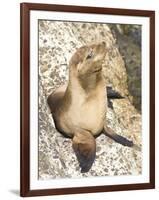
79, 107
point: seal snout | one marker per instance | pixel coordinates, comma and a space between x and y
103, 43
102, 47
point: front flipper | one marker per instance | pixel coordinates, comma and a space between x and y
120, 139
84, 146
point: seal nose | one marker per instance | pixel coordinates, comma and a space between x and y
103, 43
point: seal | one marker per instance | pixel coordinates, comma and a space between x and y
79, 107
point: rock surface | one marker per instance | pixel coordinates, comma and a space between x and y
129, 44
57, 42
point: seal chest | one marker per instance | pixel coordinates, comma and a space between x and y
88, 110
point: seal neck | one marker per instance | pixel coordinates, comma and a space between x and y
87, 83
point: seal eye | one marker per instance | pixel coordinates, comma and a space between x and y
89, 55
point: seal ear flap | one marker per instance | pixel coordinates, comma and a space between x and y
84, 146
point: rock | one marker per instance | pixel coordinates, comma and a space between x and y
128, 37
56, 156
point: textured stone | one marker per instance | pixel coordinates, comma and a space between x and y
129, 43
57, 42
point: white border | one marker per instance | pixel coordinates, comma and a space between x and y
95, 181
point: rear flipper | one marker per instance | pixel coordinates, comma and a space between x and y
110, 104
120, 139
84, 146
112, 94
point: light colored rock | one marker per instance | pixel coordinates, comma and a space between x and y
57, 42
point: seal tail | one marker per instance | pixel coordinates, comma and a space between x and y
120, 139
84, 146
